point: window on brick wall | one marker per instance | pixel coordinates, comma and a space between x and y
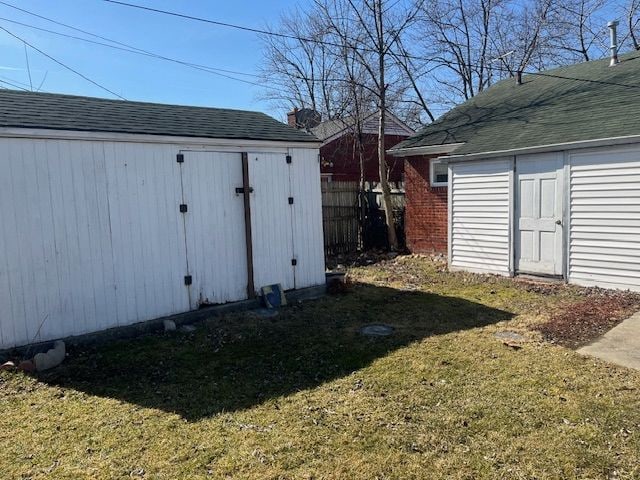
439, 173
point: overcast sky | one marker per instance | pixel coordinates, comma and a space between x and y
132, 76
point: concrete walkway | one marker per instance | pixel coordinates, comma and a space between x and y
619, 345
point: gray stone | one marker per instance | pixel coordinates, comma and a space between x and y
169, 326
377, 330
188, 328
511, 336
265, 312
50, 359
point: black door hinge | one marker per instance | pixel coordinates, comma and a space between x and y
289, 159
241, 190
188, 280
180, 158
290, 200
294, 262
183, 208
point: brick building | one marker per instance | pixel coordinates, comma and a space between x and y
426, 194
339, 158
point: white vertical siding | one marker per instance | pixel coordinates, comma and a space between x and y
271, 220
92, 236
480, 196
147, 235
308, 238
214, 226
604, 239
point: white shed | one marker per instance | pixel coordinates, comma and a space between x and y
544, 175
117, 212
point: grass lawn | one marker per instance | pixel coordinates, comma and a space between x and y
304, 395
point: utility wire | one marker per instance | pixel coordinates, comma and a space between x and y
228, 25
62, 64
118, 45
323, 42
126, 47
14, 85
131, 49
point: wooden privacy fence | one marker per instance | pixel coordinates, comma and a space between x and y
341, 217
354, 220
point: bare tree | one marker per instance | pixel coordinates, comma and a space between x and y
633, 20
582, 31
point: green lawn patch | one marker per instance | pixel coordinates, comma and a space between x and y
305, 395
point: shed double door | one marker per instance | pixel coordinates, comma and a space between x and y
539, 237
215, 230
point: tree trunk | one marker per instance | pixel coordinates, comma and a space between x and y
382, 163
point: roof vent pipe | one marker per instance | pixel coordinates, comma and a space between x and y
614, 42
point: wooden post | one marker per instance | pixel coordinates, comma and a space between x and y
246, 188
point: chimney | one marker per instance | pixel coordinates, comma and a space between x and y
519, 77
614, 42
292, 118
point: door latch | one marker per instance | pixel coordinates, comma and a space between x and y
558, 222
240, 190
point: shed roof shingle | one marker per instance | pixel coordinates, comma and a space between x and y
586, 101
67, 112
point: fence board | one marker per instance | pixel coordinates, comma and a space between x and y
340, 217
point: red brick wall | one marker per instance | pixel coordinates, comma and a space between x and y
426, 212
340, 159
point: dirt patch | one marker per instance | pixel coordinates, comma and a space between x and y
576, 324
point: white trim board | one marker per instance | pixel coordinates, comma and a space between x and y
600, 142
9, 132
426, 150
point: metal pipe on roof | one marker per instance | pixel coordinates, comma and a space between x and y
614, 42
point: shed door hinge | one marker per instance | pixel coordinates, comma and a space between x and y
290, 200
183, 208
240, 190
294, 262
289, 160
188, 280
180, 158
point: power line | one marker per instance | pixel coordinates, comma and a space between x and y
323, 42
126, 47
226, 24
118, 45
132, 49
62, 64
14, 85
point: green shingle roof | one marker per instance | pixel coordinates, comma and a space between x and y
544, 110
66, 112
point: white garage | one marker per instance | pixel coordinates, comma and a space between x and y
116, 212
572, 215
543, 175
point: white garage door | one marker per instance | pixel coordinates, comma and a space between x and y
604, 244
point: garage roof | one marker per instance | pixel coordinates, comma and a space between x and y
586, 101
20, 109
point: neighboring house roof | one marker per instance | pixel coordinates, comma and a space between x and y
329, 130
66, 112
547, 109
